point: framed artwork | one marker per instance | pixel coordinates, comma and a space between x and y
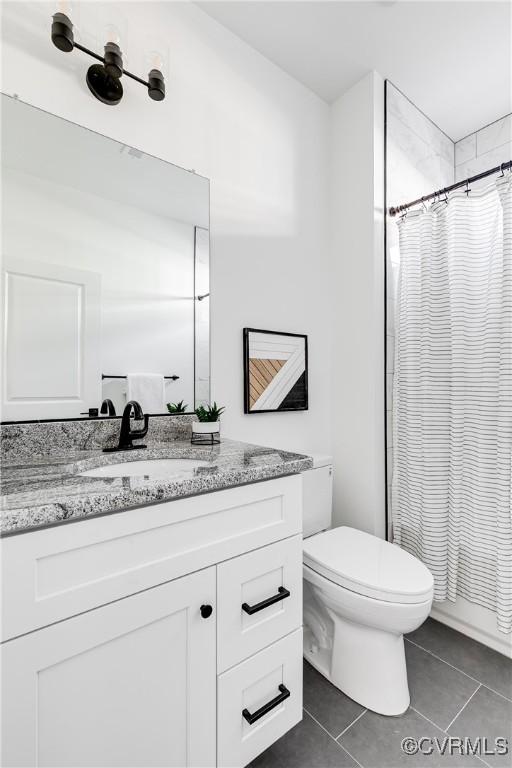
275, 371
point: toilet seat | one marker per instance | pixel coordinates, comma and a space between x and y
368, 566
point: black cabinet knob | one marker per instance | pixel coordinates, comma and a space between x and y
206, 611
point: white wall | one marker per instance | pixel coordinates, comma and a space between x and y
262, 139
357, 193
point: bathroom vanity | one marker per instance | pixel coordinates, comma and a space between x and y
169, 633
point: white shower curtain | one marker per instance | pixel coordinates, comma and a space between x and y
452, 403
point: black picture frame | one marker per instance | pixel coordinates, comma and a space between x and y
304, 405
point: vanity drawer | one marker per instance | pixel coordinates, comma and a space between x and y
258, 701
52, 574
259, 600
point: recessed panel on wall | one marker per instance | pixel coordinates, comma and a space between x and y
51, 340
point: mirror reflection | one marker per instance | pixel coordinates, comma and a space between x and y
105, 273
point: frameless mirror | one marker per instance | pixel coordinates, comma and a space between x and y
105, 271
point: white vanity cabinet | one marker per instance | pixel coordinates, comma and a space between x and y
132, 683
111, 654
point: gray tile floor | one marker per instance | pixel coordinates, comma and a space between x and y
459, 688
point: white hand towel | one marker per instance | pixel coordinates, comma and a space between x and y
148, 390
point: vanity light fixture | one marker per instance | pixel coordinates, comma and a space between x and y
104, 79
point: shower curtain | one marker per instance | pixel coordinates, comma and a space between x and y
452, 395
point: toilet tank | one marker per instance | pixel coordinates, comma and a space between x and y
317, 495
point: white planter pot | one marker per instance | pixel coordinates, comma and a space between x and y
205, 427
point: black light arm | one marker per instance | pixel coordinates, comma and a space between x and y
104, 79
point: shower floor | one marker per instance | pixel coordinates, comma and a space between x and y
459, 688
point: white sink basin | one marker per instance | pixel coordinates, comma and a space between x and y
158, 468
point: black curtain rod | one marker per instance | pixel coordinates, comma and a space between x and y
107, 376
499, 168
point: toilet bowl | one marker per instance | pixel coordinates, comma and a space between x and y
361, 594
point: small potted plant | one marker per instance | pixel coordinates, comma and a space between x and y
176, 408
207, 429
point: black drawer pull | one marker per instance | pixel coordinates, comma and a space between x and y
285, 693
281, 594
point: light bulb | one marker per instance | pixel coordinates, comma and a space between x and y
112, 34
63, 6
155, 60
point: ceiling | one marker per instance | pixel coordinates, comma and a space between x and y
453, 59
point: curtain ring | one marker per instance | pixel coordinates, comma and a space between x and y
468, 189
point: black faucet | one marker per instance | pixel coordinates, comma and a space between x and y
127, 434
107, 406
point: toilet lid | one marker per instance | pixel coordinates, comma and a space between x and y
368, 565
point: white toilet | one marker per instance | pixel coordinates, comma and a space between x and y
361, 594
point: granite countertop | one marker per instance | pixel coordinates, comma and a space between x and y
47, 491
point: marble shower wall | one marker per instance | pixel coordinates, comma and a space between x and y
486, 148
419, 159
